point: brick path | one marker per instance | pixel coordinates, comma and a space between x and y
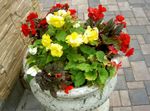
133, 89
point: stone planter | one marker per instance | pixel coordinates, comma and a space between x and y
79, 99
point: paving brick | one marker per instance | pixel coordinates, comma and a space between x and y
125, 100
122, 109
29, 103
133, 21
124, 6
140, 70
115, 99
121, 83
135, 85
136, 1
146, 38
139, 12
125, 62
147, 60
129, 74
113, 8
120, 72
134, 44
93, 4
127, 13
145, 48
137, 56
148, 28
83, 8
138, 97
142, 21
140, 39
147, 85
141, 108
136, 30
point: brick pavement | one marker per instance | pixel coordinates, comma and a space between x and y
133, 89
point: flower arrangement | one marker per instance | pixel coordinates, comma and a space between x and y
66, 53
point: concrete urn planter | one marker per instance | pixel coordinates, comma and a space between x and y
79, 99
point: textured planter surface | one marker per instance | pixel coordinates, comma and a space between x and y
79, 99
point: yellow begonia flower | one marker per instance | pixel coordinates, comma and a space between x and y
74, 39
62, 13
56, 50
90, 34
56, 21
46, 41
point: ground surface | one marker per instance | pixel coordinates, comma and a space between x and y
133, 89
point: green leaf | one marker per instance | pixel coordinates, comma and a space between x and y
76, 57
78, 30
71, 65
103, 75
37, 43
100, 56
112, 71
91, 76
87, 50
78, 79
84, 67
61, 35
29, 78
51, 30
49, 58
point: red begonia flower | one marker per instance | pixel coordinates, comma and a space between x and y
125, 40
96, 13
72, 11
25, 29
58, 75
102, 9
130, 52
112, 49
68, 88
32, 27
120, 18
124, 24
32, 16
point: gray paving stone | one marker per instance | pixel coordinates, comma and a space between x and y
141, 108
140, 70
147, 38
121, 83
127, 13
136, 1
145, 48
115, 99
93, 4
129, 74
147, 59
147, 85
125, 100
135, 85
122, 109
140, 39
136, 29
138, 97
134, 44
124, 6
139, 12
29, 103
142, 21
137, 56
